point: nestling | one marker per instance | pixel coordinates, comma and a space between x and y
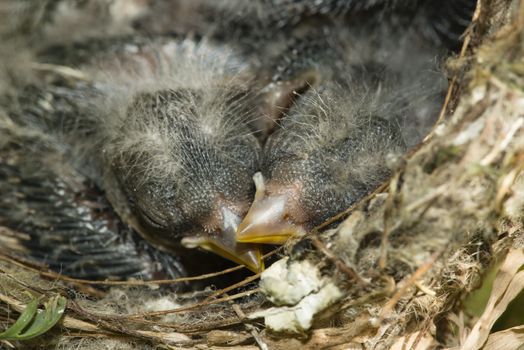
373, 92
160, 125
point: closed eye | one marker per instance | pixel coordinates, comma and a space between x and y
153, 220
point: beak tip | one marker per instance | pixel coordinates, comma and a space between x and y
259, 267
254, 261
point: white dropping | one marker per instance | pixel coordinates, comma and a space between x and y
300, 287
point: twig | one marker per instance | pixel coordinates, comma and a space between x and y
503, 144
425, 289
388, 210
139, 318
31, 267
233, 286
463, 50
386, 310
254, 332
194, 306
60, 69
118, 327
57, 276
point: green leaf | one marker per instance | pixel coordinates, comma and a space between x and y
34, 322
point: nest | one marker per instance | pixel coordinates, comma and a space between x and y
398, 272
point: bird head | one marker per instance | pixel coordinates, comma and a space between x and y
329, 152
184, 165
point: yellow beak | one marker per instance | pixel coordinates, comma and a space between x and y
268, 220
224, 244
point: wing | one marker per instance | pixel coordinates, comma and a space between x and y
51, 214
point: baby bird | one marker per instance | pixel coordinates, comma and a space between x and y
374, 92
160, 126
320, 162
